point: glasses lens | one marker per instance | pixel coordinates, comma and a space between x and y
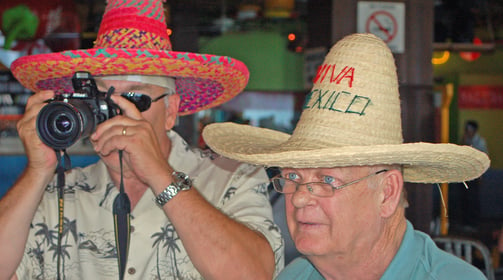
321, 189
141, 101
283, 185
278, 184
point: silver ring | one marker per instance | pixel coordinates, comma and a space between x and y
124, 131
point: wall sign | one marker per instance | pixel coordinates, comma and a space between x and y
480, 97
386, 20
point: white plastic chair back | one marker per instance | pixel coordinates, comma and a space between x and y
464, 248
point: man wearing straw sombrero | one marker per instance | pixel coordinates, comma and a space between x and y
343, 171
152, 207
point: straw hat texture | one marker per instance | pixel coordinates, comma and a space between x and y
351, 117
133, 40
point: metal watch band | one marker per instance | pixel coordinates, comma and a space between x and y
182, 183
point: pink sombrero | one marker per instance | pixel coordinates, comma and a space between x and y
133, 40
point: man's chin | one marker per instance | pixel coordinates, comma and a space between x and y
308, 246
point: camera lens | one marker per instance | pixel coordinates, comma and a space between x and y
61, 124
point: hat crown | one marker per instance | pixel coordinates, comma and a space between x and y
351, 117
137, 24
354, 100
133, 40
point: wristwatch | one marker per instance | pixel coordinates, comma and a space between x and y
182, 182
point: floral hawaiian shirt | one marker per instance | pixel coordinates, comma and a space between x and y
88, 248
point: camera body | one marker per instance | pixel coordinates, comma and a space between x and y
69, 117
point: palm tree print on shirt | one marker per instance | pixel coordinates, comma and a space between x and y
167, 239
50, 237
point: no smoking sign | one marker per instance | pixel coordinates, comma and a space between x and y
386, 20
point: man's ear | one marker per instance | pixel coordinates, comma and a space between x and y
391, 188
172, 111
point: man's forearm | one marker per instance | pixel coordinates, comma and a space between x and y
17, 209
219, 247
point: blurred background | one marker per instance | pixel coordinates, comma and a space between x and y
448, 53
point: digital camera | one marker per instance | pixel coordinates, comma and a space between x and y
69, 117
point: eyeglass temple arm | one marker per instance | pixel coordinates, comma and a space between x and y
361, 179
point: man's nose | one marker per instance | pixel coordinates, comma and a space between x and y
302, 196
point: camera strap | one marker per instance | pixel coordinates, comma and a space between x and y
121, 211
64, 164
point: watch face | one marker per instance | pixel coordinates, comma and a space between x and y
183, 182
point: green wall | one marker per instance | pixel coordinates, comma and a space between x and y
486, 70
272, 66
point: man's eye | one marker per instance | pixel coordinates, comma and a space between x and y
328, 179
292, 176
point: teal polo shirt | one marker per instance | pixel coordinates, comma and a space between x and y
417, 258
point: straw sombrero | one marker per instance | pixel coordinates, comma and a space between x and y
133, 40
351, 117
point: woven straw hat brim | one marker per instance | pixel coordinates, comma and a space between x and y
422, 162
203, 81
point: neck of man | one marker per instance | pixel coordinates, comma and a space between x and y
370, 261
133, 187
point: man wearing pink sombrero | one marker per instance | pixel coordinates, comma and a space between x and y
152, 207
343, 171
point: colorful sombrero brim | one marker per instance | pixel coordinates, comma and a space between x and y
423, 162
203, 81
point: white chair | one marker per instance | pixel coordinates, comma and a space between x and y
464, 248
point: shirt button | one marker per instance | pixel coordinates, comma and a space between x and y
131, 270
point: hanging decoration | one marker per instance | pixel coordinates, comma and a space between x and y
471, 56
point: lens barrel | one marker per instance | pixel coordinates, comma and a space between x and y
61, 124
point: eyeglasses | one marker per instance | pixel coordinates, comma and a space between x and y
142, 101
321, 189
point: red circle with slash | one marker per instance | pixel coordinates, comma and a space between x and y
382, 24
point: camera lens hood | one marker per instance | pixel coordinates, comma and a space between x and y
60, 124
